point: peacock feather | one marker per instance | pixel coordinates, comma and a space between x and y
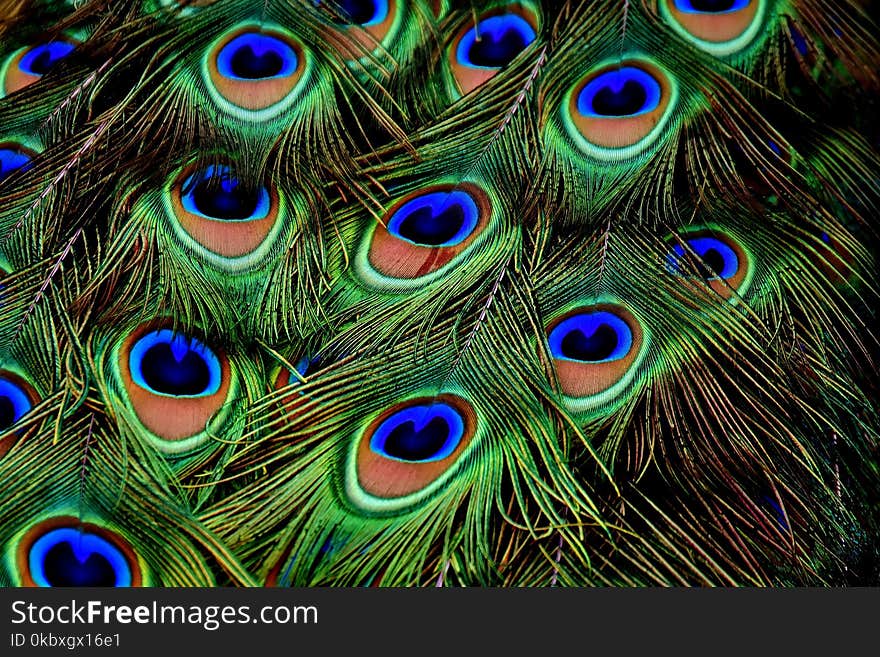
413, 292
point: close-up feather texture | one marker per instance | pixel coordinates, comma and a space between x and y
439, 293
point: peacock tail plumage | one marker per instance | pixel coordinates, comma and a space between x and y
415, 293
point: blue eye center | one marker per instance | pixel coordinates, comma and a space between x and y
594, 337
627, 91
773, 506
168, 363
713, 260
717, 259
495, 41
70, 557
407, 442
7, 413
305, 365
39, 60
425, 227
710, 6
363, 12
419, 434
226, 199
255, 56
436, 219
14, 403
577, 345
164, 372
12, 159
800, 42
248, 64
216, 194
628, 99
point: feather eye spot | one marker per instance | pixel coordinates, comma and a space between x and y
618, 110
307, 365
799, 41
41, 59
426, 230
710, 6
226, 218
436, 219
716, 258
419, 434
30, 64
255, 56
63, 552
16, 399
365, 13
168, 363
302, 369
480, 50
368, 23
719, 27
255, 70
594, 350
294, 375
215, 193
67, 557
593, 337
772, 506
409, 449
494, 42
14, 403
174, 382
14, 157
627, 91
